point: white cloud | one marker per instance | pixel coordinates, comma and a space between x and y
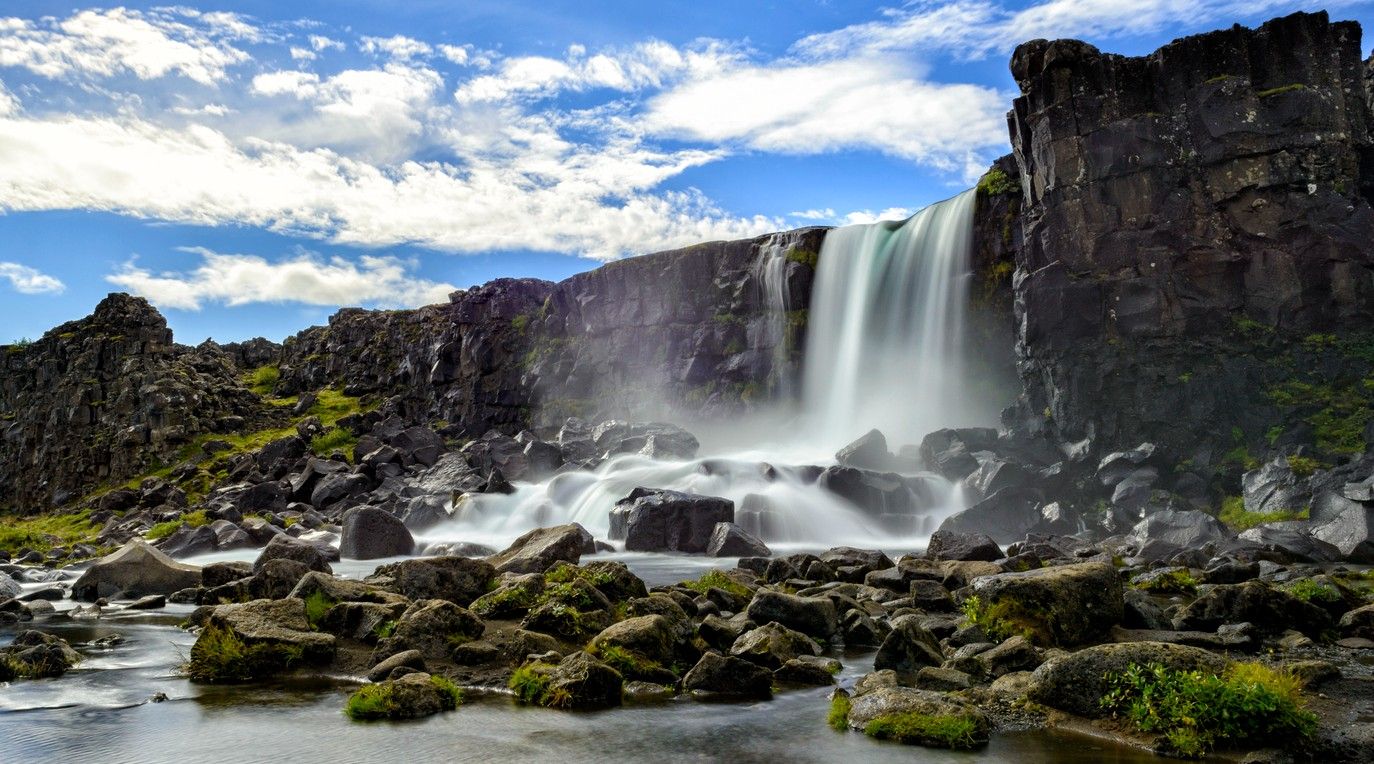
590, 200
825, 214
209, 110
458, 54
293, 83
399, 46
865, 217
234, 280
302, 54
320, 43
807, 108
8, 103
110, 42
27, 280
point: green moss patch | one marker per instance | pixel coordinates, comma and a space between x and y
716, 579
45, 532
220, 656
1173, 582
838, 718
1234, 514
190, 520
995, 183
382, 701
933, 730
1000, 621
263, 380
531, 683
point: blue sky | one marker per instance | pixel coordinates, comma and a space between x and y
251, 166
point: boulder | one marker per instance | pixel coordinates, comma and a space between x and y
1290, 542
1358, 623
1077, 682
1274, 488
1351, 531
136, 570
372, 532
283, 547
1165, 533
1005, 516
953, 545
649, 637
908, 648
728, 677
459, 580
36, 655
868, 452
650, 520
812, 616
257, 639
870, 710
772, 645
433, 627
412, 696
334, 488
1063, 605
582, 682
1266, 608
949, 452
411, 659
730, 540
538, 550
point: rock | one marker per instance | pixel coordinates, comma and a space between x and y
1358, 623
728, 677
136, 570
538, 550
908, 648
412, 659
1352, 532
649, 636
1076, 682
459, 580
1005, 516
151, 602
582, 682
270, 635
419, 445
1273, 487
730, 540
334, 488
1165, 533
36, 655
1270, 610
873, 708
412, 696
650, 520
868, 452
433, 627
812, 616
1290, 542
1064, 605
1015, 654
773, 645
885, 496
371, 532
952, 545
814, 672
284, 547
9, 587
950, 452
942, 679
187, 541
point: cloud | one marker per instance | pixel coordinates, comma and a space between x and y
146, 45
399, 47
302, 54
235, 280
26, 280
458, 54
319, 43
590, 200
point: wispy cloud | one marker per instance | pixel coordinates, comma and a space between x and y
28, 280
233, 279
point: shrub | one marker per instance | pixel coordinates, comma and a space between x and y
1196, 711
941, 730
838, 719
995, 182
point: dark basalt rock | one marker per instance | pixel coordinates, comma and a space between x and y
728, 678
951, 545
730, 540
655, 520
371, 532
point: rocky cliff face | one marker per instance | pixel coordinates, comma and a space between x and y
1196, 267
106, 398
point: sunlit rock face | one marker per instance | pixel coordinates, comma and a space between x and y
1187, 212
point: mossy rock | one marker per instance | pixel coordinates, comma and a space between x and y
919, 717
409, 697
1065, 605
1077, 682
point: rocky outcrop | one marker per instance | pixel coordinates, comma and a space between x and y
1196, 239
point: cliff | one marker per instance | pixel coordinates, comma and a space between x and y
1196, 267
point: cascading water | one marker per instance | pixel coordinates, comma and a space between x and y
884, 350
771, 273
886, 342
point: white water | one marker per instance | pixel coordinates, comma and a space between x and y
771, 273
884, 350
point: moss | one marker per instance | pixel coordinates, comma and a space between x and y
625, 661
337, 439
716, 579
189, 520
384, 629
521, 323
378, 701
955, 731
1303, 466
1308, 590
1195, 711
45, 532
317, 605
220, 656
1234, 514
1280, 89
838, 718
1339, 411
531, 684
995, 182
807, 257
1001, 620
1173, 582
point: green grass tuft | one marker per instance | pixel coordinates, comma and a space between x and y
1196, 711
1308, 590
336, 439
220, 656
1173, 582
1234, 514
531, 684
838, 718
317, 605
716, 579
190, 520
263, 380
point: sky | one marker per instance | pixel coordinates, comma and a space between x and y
252, 166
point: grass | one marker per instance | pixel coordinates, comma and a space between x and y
317, 606
1234, 514
1173, 582
190, 520
1303, 466
45, 532
937, 730
1308, 590
378, 701
624, 661
1197, 711
384, 629
838, 718
337, 439
263, 380
531, 684
220, 656
1280, 89
1341, 411
716, 579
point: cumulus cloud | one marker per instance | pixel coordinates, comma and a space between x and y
398, 46
319, 42
27, 280
235, 279
108, 42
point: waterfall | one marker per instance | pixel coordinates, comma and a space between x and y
886, 337
884, 350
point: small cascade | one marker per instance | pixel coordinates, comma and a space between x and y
884, 349
886, 334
